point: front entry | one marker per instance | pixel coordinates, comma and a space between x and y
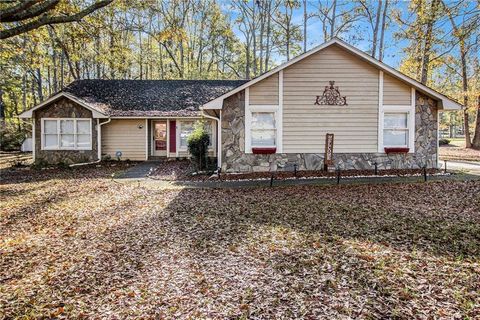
160, 138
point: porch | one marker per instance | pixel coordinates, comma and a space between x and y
151, 138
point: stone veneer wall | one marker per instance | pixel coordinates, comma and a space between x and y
64, 108
234, 158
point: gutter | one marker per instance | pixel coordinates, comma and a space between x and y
99, 144
219, 137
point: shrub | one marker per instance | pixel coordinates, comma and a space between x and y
443, 142
11, 138
198, 145
40, 164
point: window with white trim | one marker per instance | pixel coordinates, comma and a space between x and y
187, 127
395, 129
66, 134
263, 129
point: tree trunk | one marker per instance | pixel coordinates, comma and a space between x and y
375, 30
428, 42
39, 85
305, 25
254, 37
247, 58
382, 32
468, 140
2, 111
476, 137
262, 31
24, 91
332, 22
269, 31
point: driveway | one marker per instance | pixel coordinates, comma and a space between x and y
472, 167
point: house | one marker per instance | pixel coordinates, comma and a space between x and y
333, 101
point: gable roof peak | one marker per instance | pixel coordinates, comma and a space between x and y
445, 102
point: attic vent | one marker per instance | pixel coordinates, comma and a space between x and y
331, 96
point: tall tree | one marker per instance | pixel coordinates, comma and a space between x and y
461, 35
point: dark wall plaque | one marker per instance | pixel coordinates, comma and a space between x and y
331, 96
328, 150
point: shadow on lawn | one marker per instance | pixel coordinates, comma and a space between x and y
14, 175
211, 223
202, 221
299, 233
404, 217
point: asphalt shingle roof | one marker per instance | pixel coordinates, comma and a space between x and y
149, 97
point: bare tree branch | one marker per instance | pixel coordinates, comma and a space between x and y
46, 19
20, 6
27, 13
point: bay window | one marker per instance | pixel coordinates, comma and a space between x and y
66, 134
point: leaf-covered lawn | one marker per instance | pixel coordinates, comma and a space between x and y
76, 244
456, 151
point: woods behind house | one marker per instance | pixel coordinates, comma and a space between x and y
210, 39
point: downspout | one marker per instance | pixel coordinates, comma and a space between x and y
99, 144
219, 137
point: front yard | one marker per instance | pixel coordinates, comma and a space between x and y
456, 150
75, 243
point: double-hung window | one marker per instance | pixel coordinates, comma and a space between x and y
262, 125
397, 127
263, 129
66, 134
187, 127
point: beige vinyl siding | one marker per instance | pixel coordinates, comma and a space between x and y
395, 92
265, 92
305, 124
125, 136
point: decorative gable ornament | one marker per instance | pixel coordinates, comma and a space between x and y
331, 96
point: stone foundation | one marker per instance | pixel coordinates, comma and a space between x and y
64, 108
234, 158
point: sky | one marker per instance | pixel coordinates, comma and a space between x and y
393, 48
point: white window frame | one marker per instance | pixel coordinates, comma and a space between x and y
179, 130
410, 111
59, 147
248, 124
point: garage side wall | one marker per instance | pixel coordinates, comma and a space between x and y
127, 136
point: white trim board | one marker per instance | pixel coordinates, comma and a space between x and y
279, 113
445, 102
380, 113
34, 145
146, 139
95, 113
